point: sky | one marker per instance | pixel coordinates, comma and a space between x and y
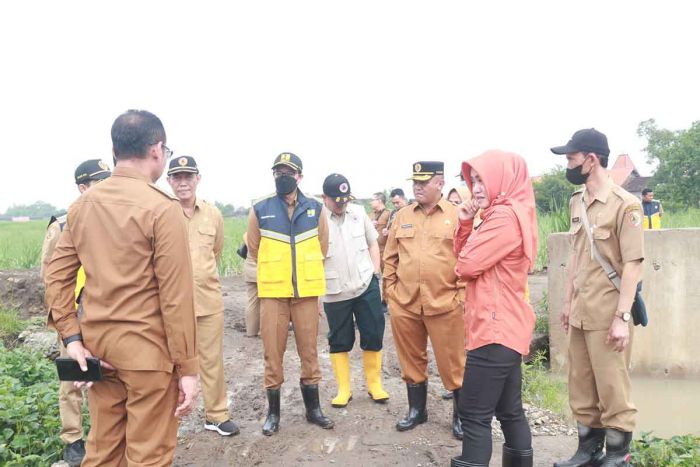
361, 88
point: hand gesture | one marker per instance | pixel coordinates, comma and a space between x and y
78, 352
467, 209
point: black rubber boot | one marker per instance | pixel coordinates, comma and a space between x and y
617, 448
517, 457
456, 422
417, 413
457, 462
74, 452
272, 422
590, 448
313, 407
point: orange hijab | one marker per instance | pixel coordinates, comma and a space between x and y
507, 183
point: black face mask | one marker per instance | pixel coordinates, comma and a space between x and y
285, 184
575, 176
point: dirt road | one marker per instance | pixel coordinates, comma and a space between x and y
364, 433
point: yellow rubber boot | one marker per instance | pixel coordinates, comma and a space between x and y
373, 373
341, 368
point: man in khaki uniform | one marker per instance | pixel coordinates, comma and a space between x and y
250, 276
70, 398
380, 219
594, 314
423, 293
205, 227
288, 239
138, 303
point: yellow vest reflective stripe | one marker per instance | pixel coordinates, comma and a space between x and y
290, 261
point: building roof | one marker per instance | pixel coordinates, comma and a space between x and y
636, 184
622, 169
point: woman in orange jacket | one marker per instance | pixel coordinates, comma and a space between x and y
495, 259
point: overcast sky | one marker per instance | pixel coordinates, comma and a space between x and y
362, 88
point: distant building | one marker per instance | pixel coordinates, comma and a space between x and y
624, 173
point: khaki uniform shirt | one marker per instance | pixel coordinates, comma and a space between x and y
419, 260
615, 217
49, 245
348, 265
382, 221
206, 232
131, 239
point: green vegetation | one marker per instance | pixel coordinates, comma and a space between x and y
10, 324
29, 421
552, 190
229, 262
649, 451
542, 315
542, 389
677, 155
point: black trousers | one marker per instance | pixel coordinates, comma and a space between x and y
368, 314
492, 386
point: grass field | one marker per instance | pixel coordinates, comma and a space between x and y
20, 245
20, 242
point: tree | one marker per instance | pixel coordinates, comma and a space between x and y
677, 155
37, 210
227, 210
552, 191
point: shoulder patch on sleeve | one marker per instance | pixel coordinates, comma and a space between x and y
634, 216
163, 192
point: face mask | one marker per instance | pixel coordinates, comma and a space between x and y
285, 184
575, 176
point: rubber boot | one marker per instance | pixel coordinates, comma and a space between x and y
517, 457
456, 422
373, 374
309, 392
457, 462
617, 448
341, 367
590, 448
417, 413
272, 422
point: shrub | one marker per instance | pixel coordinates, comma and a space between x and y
649, 451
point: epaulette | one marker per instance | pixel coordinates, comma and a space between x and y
60, 219
163, 192
623, 194
580, 190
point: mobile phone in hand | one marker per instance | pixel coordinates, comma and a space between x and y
69, 369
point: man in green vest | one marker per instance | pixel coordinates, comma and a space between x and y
288, 239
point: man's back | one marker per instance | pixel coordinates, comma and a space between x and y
131, 239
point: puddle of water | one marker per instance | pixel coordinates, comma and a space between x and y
667, 407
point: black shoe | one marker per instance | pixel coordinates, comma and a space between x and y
74, 452
517, 457
590, 448
456, 422
313, 407
457, 462
227, 428
272, 422
417, 413
617, 448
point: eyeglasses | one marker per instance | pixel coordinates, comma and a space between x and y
167, 152
279, 173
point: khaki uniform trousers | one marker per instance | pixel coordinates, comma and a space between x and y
70, 406
210, 345
599, 382
252, 309
446, 332
132, 419
275, 314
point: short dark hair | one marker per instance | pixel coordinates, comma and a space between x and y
603, 159
397, 192
133, 132
646, 191
380, 196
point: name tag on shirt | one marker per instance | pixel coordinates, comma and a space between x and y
406, 226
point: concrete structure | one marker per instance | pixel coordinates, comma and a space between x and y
669, 345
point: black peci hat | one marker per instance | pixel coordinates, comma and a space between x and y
425, 170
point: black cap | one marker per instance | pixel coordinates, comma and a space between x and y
90, 170
425, 170
587, 140
290, 160
183, 164
337, 187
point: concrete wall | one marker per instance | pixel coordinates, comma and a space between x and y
670, 344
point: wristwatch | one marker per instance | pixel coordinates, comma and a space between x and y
623, 315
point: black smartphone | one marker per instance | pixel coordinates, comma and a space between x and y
69, 370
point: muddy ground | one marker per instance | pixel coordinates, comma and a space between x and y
364, 432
